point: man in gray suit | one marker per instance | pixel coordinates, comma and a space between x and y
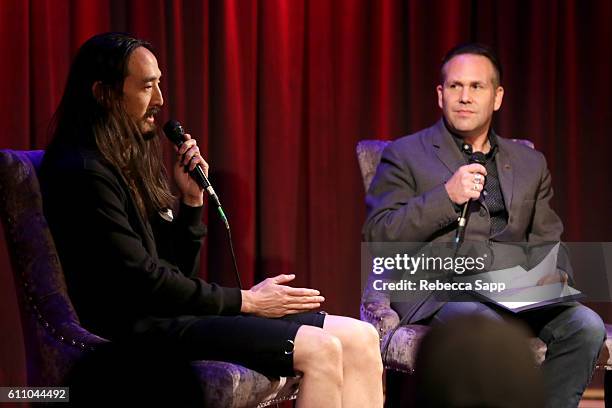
424, 180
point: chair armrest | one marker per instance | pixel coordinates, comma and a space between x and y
75, 335
376, 310
55, 317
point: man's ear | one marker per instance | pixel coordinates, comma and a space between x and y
499, 96
96, 90
101, 93
440, 92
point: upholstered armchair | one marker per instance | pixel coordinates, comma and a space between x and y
54, 339
399, 359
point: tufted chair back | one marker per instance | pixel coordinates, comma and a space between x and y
53, 337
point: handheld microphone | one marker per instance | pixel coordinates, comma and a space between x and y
175, 132
476, 157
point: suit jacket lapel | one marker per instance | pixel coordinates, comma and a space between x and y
445, 147
505, 172
449, 154
447, 151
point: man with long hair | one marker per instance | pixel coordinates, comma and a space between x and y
131, 267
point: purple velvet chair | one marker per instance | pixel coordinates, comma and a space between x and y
401, 354
54, 339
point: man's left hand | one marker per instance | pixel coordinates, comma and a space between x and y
555, 277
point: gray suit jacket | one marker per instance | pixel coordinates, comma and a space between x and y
407, 201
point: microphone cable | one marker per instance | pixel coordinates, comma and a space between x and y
175, 132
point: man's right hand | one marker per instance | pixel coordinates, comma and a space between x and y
466, 184
271, 298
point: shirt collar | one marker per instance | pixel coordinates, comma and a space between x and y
466, 149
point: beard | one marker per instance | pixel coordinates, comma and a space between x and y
147, 129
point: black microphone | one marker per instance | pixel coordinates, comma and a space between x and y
476, 157
175, 132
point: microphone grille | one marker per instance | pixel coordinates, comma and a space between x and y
174, 131
478, 157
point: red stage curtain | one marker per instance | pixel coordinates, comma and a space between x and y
278, 93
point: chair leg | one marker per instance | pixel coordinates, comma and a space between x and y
400, 390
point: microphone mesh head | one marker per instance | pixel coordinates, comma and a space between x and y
174, 131
478, 157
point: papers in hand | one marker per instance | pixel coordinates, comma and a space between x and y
535, 297
522, 291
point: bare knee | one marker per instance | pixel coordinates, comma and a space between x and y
367, 345
318, 353
371, 336
360, 343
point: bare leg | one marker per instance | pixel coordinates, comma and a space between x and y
362, 364
318, 355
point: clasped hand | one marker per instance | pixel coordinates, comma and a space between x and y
466, 183
188, 157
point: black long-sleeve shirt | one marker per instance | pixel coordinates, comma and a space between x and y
492, 192
121, 269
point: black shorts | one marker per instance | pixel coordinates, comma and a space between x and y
262, 344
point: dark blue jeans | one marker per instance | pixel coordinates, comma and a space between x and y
572, 332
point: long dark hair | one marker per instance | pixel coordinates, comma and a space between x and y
101, 122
